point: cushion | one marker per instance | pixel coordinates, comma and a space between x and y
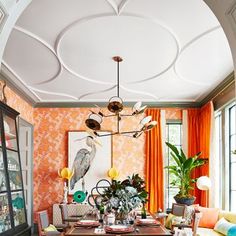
223, 226
52, 233
50, 228
189, 214
207, 232
169, 220
209, 217
232, 231
229, 216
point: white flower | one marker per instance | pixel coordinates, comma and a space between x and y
131, 190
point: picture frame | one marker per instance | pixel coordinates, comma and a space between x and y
85, 152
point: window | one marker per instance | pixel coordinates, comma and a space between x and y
232, 158
173, 136
218, 159
225, 163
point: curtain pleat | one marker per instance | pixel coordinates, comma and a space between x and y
199, 139
154, 164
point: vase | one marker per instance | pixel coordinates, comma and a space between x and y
121, 217
65, 194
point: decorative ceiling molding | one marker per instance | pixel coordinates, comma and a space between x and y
81, 47
16, 86
97, 92
117, 7
62, 34
11, 75
140, 92
185, 47
47, 46
85, 19
52, 93
231, 15
228, 81
3, 16
174, 37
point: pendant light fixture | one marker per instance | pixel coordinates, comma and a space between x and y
115, 106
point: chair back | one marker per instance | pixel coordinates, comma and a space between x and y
64, 213
197, 217
43, 221
179, 209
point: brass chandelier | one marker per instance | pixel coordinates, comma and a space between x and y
115, 106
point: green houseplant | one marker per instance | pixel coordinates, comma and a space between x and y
182, 173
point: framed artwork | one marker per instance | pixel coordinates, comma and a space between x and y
89, 159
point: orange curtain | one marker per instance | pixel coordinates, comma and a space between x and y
154, 164
199, 140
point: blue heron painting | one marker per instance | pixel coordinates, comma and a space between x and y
89, 157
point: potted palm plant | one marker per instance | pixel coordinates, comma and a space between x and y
182, 172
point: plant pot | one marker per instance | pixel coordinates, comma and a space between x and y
185, 200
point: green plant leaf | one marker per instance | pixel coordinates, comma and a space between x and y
176, 159
183, 155
188, 164
175, 151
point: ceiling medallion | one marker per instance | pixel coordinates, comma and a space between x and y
115, 106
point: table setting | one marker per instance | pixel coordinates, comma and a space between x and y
118, 208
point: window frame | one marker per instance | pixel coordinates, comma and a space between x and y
167, 186
225, 154
231, 106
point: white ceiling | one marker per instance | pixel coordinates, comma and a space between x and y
173, 51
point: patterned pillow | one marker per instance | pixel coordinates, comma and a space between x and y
189, 213
169, 220
223, 226
50, 228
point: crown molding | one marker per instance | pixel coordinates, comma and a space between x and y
28, 96
228, 81
17, 87
104, 104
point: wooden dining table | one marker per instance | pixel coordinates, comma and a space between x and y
140, 230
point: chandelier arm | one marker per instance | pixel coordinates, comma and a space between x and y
131, 132
103, 135
127, 114
109, 115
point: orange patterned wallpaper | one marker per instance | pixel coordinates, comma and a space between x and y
50, 145
50, 149
173, 113
20, 105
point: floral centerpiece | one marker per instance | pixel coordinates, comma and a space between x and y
125, 196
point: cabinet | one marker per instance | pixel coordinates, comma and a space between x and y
13, 219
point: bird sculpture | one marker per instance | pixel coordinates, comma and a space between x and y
82, 161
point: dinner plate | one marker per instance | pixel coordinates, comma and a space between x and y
119, 229
92, 223
148, 222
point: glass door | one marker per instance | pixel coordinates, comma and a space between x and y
5, 220
14, 171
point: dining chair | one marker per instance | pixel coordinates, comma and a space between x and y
66, 219
179, 209
197, 217
43, 222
